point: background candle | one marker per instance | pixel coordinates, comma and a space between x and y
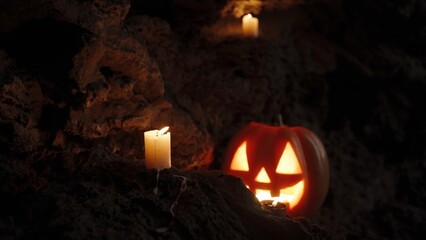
157, 149
250, 26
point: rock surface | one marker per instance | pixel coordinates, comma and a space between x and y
109, 197
78, 75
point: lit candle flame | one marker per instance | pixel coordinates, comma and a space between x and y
163, 130
274, 203
249, 15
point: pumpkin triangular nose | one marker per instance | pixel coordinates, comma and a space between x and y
262, 176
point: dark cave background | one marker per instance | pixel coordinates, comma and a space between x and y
81, 80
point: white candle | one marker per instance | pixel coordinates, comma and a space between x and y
157, 149
250, 26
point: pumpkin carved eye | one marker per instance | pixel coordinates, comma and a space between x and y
240, 162
288, 163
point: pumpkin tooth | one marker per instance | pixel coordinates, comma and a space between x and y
289, 195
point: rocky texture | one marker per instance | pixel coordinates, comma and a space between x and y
110, 197
78, 74
99, 83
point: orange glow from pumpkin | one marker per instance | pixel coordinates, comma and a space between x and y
279, 163
240, 162
289, 164
290, 195
263, 176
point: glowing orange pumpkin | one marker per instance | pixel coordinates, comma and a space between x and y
288, 164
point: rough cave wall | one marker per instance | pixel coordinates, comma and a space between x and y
92, 83
79, 74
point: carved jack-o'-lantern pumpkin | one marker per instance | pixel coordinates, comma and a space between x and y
287, 164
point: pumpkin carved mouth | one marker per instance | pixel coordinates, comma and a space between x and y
289, 195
